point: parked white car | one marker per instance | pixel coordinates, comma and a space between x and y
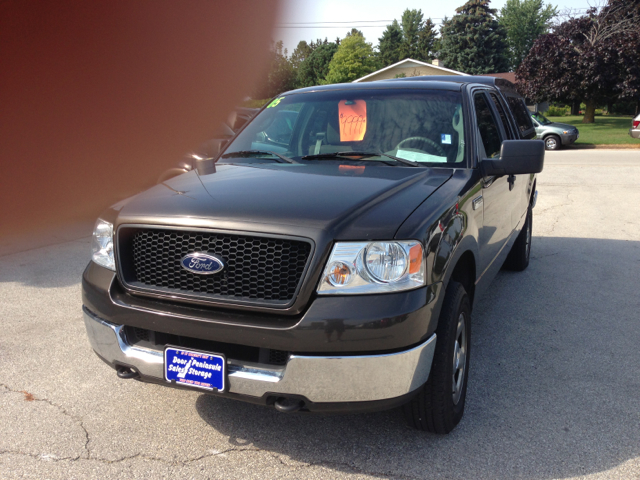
634, 131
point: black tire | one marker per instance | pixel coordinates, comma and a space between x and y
552, 142
434, 408
518, 258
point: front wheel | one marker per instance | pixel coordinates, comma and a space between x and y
439, 405
552, 142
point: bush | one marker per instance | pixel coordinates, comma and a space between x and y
557, 111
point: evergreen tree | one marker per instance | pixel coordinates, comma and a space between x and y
473, 41
353, 59
411, 25
314, 68
301, 53
427, 39
389, 46
524, 21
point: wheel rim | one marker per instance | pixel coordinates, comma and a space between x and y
551, 143
459, 359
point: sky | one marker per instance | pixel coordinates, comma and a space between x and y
312, 19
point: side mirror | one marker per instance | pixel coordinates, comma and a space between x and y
517, 157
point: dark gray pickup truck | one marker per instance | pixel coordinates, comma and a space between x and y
328, 260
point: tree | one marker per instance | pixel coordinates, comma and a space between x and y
524, 21
280, 76
389, 44
593, 58
353, 59
313, 70
473, 41
411, 25
301, 53
427, 39
411, 38
355, 31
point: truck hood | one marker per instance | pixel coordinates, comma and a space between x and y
344, 201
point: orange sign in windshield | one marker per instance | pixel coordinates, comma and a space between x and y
353, 120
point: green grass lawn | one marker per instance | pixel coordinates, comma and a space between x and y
607, 130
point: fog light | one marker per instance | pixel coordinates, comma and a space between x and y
340, 274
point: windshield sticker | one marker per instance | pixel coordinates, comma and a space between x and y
275, 102
445, 139
353, 120
420, 157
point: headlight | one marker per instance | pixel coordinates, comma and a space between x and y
102, 245
373, 267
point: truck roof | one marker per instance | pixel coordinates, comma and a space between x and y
431, 82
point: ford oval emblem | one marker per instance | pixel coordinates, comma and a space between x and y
202, 263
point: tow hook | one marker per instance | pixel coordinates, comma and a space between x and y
288, 405
126, 373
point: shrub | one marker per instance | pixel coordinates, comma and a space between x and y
557, 111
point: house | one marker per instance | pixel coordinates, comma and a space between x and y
409, 68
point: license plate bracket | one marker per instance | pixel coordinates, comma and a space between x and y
195, 368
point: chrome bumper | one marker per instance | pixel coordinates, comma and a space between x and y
319, 379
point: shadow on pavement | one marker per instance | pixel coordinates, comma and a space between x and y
552, 391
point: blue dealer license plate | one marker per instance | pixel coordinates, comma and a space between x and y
194, 369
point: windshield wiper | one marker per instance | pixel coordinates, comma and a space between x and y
321, 156
252, 153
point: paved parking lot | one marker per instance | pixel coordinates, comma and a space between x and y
554, 386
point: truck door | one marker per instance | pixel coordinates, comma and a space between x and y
518, 184
494, 197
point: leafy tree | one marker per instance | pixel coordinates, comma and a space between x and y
593, 58
280, 76
473, 41
524, 21
353, 59
389, 44
313, 70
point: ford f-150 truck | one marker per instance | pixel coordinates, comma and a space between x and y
329, 258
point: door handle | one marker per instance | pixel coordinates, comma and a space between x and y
477, 202
512, 181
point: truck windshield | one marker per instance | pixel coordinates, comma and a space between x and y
421, 126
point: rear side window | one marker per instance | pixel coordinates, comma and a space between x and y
489, 132
503, 115
522, 116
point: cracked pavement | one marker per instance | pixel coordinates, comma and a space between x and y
553, 389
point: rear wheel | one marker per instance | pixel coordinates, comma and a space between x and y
552, 142
439, 405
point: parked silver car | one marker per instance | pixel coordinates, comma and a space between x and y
555, 135
634, 131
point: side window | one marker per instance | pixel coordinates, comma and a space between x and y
522, 116
489, 132
503, 115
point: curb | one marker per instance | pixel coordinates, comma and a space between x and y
624, 146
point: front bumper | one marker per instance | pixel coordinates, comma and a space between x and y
569, 139
318, 379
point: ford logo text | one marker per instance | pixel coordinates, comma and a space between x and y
202, 263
